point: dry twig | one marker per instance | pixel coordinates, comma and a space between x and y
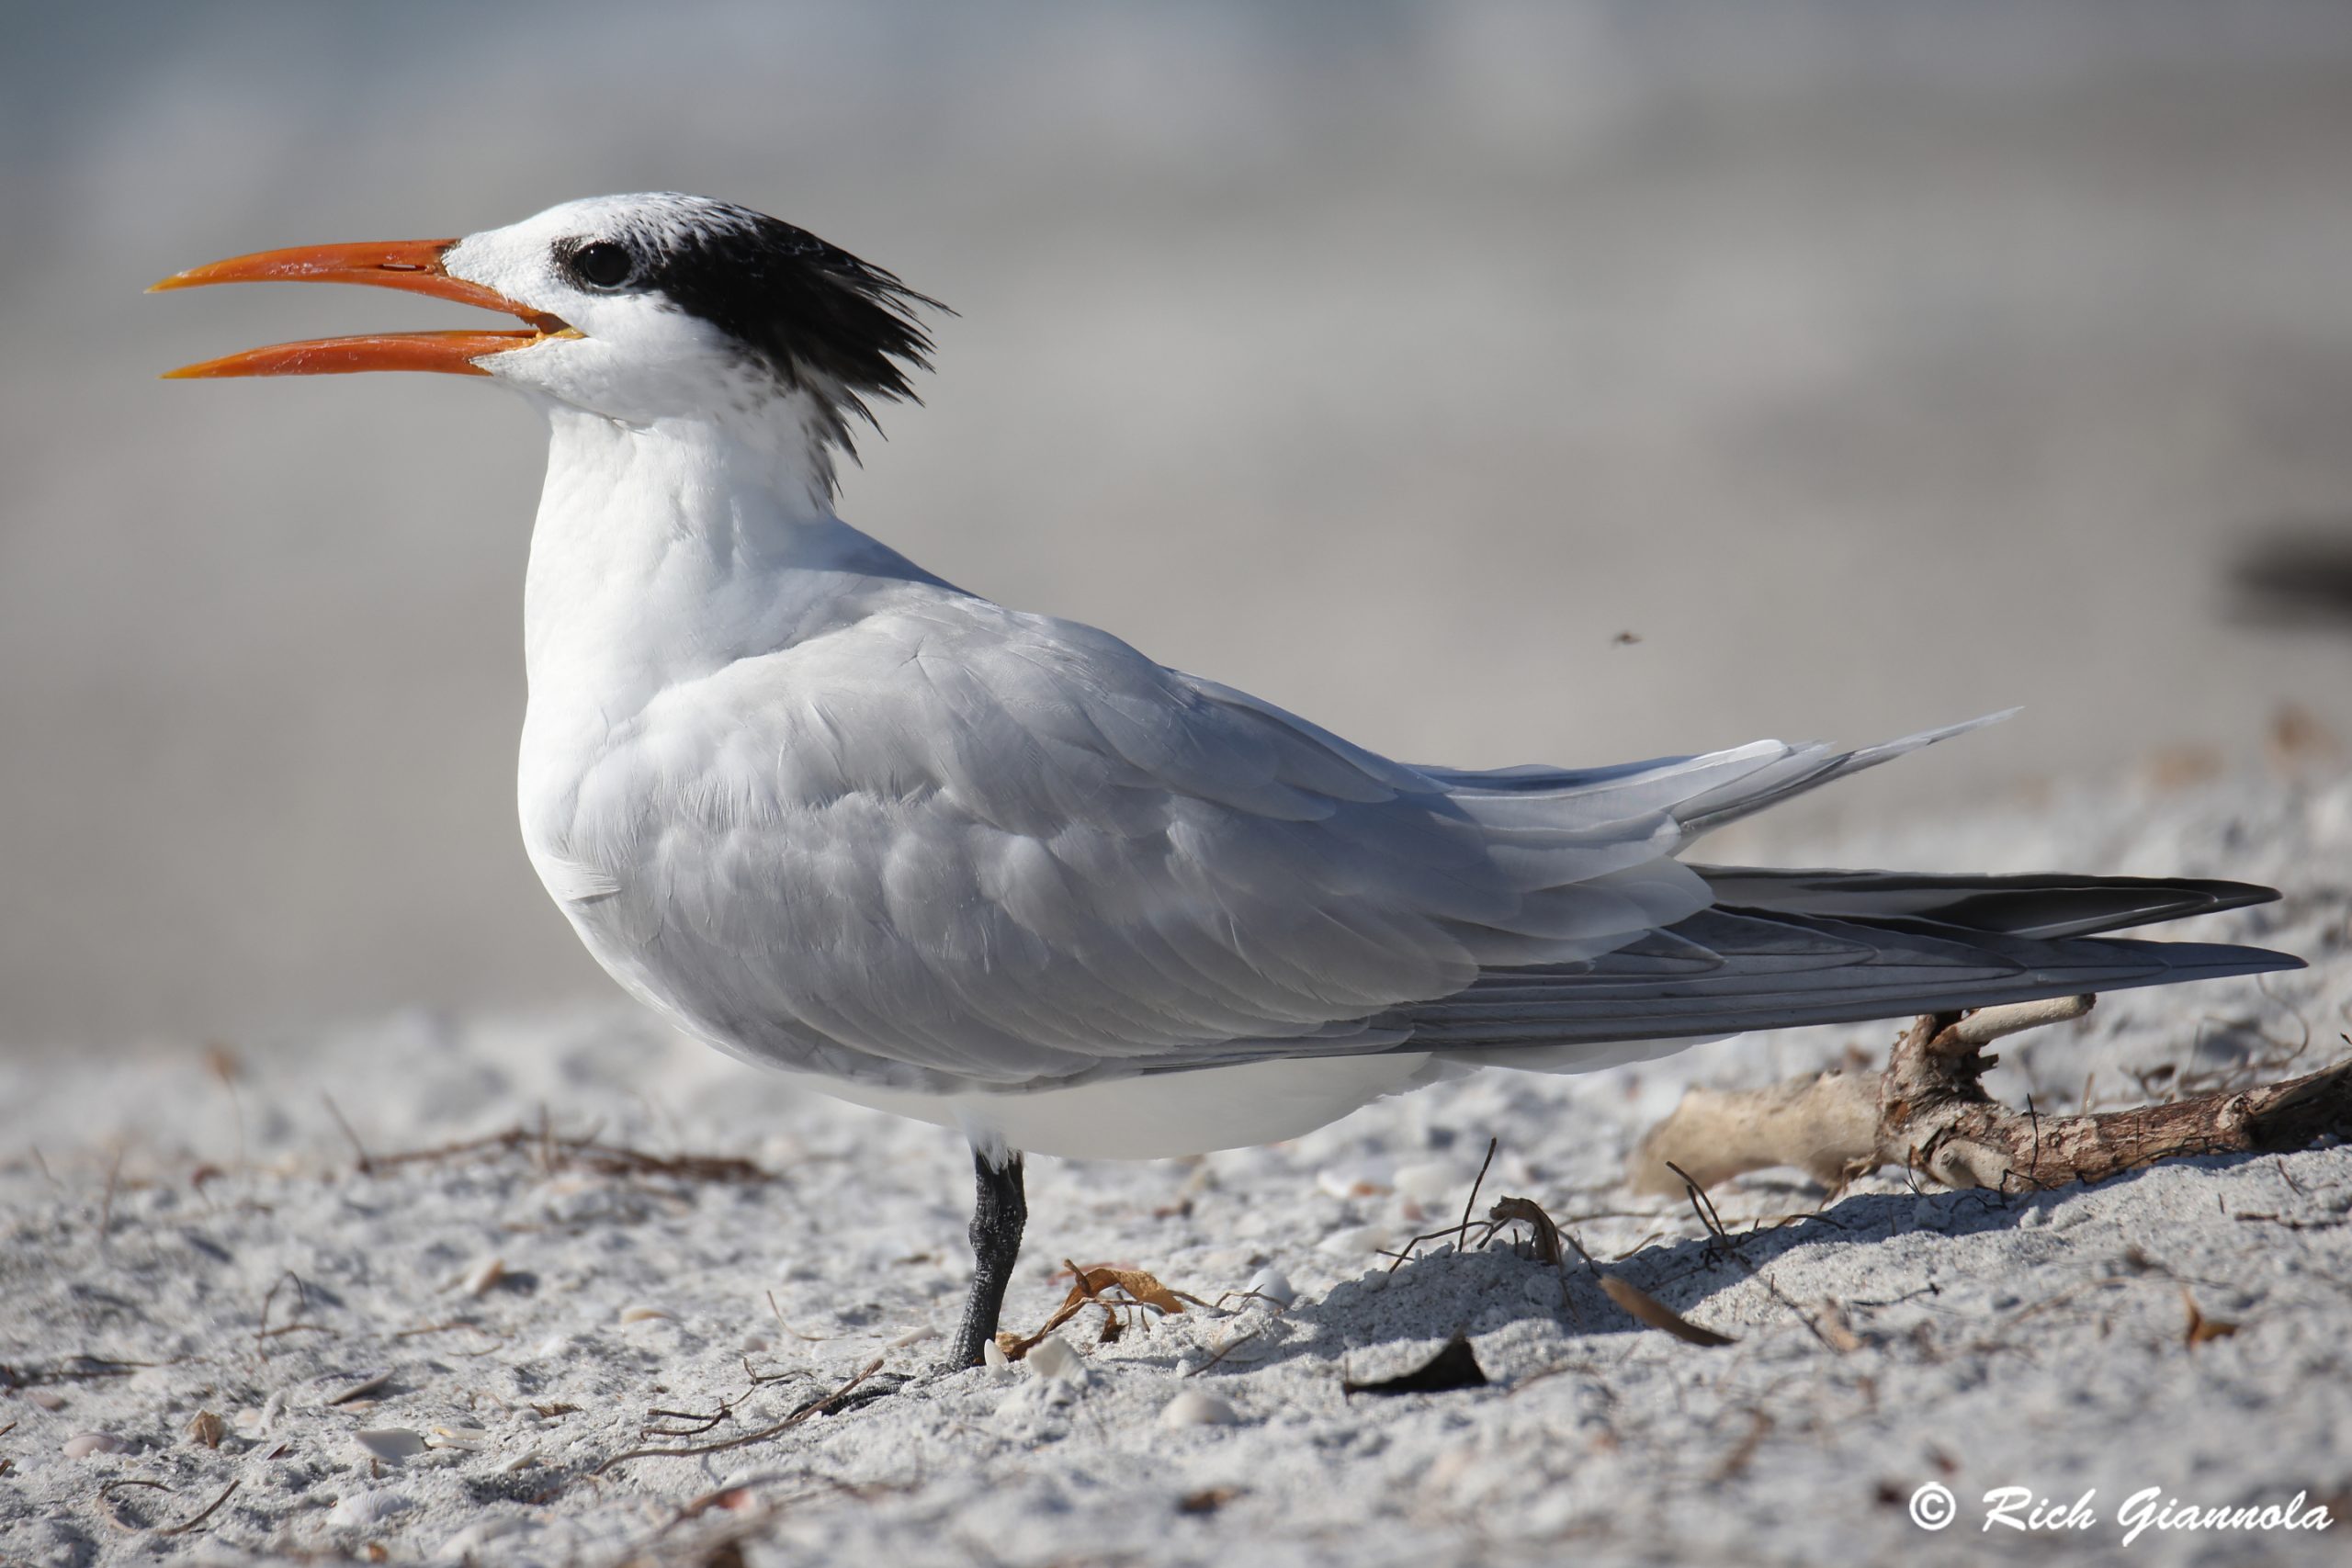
1929, 1113
1456, 1230
554, 1152
187, 1525
822, 1406
367, 1167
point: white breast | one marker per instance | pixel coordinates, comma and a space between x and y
664, 562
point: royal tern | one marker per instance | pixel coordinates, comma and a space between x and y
1003, 871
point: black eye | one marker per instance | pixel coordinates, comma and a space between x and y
603, 264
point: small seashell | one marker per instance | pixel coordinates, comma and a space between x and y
1197, 1408
1242, 1342
553, 1346
1274, 1286
47, 1399
342, 1388
207, 1429
357, 1510
456, 1438
1430, 1182
392, 1443
479, 1278
1352, 1239
82, 1444
642, 1313
1053, 1359
992, 1356
1348, 1181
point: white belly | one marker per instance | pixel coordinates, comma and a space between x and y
1161, 1115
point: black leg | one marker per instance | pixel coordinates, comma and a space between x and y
998, 1214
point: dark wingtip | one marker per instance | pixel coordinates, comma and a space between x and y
2230, 894
2050, 906
2216, 961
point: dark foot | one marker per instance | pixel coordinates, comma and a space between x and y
999, 1212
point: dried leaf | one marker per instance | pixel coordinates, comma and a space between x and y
1528, 1211
1455, 1366
1206, 1501
1139, 1290
1647, 1309
1836, 1330
2297, 736
2200, 1327
1134, 1281
2183, 766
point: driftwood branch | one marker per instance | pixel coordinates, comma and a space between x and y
1929, 1113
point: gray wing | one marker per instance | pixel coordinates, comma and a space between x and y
999, 847
952, 844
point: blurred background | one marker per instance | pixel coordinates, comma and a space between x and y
1488, 382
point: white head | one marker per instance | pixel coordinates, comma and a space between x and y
643, 310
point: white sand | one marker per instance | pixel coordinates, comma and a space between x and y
2035, 1342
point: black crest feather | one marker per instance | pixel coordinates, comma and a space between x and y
820, 318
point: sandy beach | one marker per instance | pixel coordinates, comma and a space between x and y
1489, 383
433, 1321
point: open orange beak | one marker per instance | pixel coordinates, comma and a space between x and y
414, 266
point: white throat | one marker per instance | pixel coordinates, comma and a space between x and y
666, 551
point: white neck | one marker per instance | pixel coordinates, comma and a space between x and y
666, 551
